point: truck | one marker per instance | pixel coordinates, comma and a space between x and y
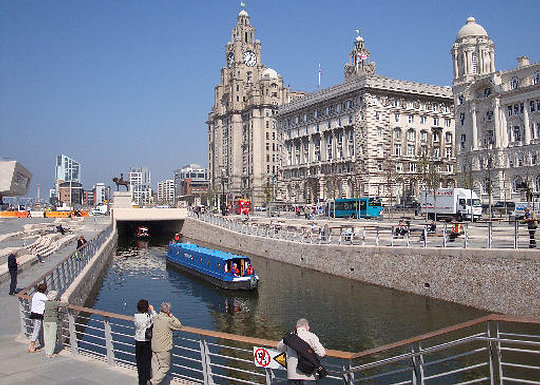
100, 210
451, 204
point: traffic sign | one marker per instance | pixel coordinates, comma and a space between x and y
268, 358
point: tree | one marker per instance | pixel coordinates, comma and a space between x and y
390, 172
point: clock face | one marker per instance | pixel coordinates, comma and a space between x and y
230, 59
249, 58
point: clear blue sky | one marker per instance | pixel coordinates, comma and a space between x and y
115, 84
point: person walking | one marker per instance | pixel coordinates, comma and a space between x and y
162, 342
532, 224
294, 375
50, 319
13, 267
36, 313
143, 351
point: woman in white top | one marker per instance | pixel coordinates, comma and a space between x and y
36, 313
143, 352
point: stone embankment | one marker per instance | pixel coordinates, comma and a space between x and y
500, 281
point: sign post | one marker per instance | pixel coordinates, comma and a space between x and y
268, 358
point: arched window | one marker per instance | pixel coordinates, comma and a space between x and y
411, 135
516, 184
514, 83
536, 78
397, 133
537, 184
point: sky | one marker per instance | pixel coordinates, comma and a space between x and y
115, 84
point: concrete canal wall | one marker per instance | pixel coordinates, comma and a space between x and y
500, 281
77, 293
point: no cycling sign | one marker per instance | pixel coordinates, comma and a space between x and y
268, 358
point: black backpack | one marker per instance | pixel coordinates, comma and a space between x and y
308, 361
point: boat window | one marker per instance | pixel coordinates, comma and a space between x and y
218, 265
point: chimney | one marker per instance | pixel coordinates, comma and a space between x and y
523, 61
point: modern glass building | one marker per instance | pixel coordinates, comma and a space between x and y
67, 169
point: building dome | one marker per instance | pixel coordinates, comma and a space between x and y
269, 73
471, 29
243, 13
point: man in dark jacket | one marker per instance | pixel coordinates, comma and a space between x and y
13, 266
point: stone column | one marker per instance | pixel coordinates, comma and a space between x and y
474, 129
497, 124
527, 134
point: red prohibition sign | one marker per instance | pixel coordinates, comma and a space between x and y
262, 357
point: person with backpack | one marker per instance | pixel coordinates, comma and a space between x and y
532, 224
303, 350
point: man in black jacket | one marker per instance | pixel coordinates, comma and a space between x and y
13, 266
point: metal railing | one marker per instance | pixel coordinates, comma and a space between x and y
480, 235
63, 274
493, 349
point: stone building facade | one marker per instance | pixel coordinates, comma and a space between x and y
369, 136
497, 117
243, 144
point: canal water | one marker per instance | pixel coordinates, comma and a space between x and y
345, 314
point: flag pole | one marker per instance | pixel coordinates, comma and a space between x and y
319, 85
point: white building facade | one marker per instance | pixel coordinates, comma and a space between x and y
369, 136
166, 192
497, 119
140, 185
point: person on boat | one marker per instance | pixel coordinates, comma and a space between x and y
249, 269
234, 270
176, 238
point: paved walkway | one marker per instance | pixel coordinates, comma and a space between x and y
19, 367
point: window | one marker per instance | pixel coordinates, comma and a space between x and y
397, 133
377, 115
517, 134
509, 110
487, 92
531, 105
399, 167
448, 152
411, 119
536, 80
435, 137
462, 118
489, 115
447, 122
436, 152
448, 137
411, 135
514, 83
411, 149
435, 121
379, 150
397, 149
516, 185
474, 63
423, 120
379, 131
396, 117
423, 135
350, 119
412, 167
461, 99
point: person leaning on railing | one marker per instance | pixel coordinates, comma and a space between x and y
50, 319
162, 343
36, 313
143, 351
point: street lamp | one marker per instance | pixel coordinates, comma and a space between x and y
223, 203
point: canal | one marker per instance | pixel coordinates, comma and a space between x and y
345, 314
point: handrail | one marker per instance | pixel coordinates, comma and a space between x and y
44, 276
329, 352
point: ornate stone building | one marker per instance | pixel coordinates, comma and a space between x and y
497, 118
369, 136
243, 142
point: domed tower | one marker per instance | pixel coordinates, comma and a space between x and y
473, 52
359, 60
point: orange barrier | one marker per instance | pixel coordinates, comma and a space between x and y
64, 214
14, 214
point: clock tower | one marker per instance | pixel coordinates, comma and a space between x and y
244, 149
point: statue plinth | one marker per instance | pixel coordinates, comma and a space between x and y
122, 199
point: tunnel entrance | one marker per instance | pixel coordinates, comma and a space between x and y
128, 229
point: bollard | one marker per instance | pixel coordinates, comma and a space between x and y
425, 236
466, 237
109, 341
490, 239
515, 234
392, 236
444, 235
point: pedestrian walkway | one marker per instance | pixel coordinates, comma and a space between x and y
19, 367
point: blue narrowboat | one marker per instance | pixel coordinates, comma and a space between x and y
226, 270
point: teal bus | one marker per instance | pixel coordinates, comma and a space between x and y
366, 207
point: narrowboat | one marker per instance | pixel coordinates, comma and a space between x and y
223, 269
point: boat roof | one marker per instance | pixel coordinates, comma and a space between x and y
215, 253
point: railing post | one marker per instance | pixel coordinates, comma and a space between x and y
490, 239
515, 234
205, 362
392, 235
499, 354
73, 343
22, 316
109, 341
364, 236
377, 236
348, 378
466, 237
491, 356
425, 235
417, 364
270, 377
444, 232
